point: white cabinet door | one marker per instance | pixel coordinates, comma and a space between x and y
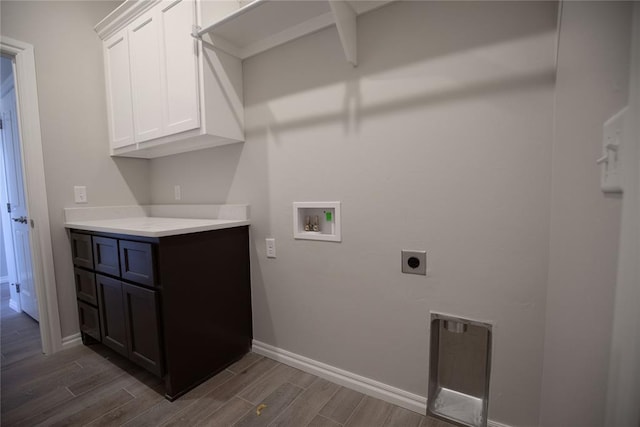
117, 73
146, 81
180, 72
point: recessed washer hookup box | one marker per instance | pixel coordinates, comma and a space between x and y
459, 370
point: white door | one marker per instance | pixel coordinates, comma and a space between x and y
180, 66
17, 204
119, 109
144, 52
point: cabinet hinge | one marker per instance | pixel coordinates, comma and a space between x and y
18, 288
9, 207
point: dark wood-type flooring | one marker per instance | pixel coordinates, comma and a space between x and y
91, 385
19, 333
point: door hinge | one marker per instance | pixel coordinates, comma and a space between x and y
9, 207
18, 288
1, 124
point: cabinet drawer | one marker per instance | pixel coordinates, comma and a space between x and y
86, 286
81, 250
89, 320
136, 262
105, 255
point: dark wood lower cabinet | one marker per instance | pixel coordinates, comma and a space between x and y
179, 306
143, 327
112, 314
89, 321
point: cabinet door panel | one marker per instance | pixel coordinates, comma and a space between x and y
81, 250
86, 286
105, 255
136, 262
118, 81
180, 66
144, 45
142, 314
112, 313
89, 320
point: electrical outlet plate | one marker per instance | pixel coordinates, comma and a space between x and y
271, 247
414, 262
80, 194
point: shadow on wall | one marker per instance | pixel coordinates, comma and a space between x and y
205, 176
417, 42
134, 173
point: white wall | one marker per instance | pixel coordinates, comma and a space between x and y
73, 122
440, 140
592, 85
623, 390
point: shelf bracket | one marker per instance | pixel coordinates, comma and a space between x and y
195, 32
345, 18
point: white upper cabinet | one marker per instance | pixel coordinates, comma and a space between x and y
166, 93
146, 81
180, 67
118, 82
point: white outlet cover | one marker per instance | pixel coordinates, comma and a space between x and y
271, 247
80, 194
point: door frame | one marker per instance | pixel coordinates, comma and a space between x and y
35, 190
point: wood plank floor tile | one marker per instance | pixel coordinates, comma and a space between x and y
302, 379
371, 412
320, 421
229, 413
434, 422
165, 410
342, 405
211, 402
37, 390
22, 394
37, 405
94, 410
400, 417
70, 407
242, 364
266, 385
307, 405
275, 403
143, 400
96, 379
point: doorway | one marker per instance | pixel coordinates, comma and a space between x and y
28, 118
20, 331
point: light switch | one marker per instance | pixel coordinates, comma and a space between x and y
610, 162
80, 194
177, 192
271, 248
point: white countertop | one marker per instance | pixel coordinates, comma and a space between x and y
154, 226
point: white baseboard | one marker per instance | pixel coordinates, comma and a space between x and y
396, 396
370, 387
13, 305
71, 341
